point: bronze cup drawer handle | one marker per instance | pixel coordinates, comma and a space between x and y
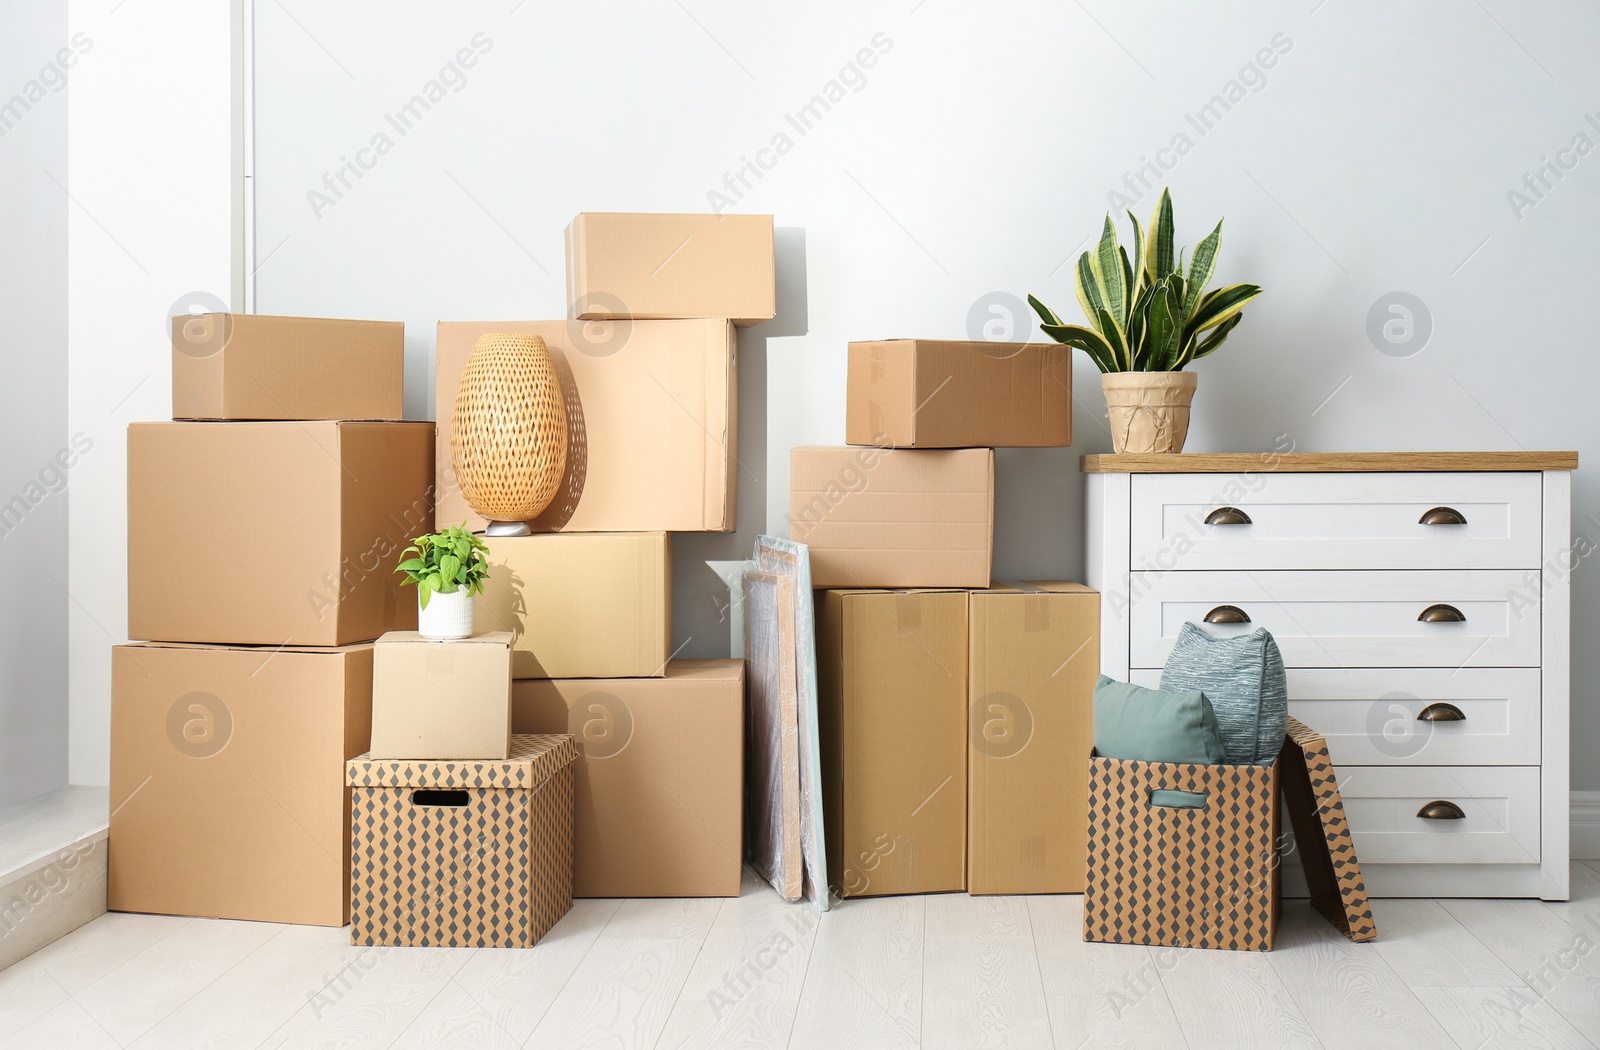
1441, 613
1442, 810
1228, 516
1443, 516
1441, 712
1227, 614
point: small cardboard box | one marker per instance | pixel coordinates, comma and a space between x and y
633, 265
440, 700
1035, 657
660, 776
652, 423
892, 707
876, 517
284, 533
462, 854
1205, 877
227, 779
581, 604
934, 393
255, 366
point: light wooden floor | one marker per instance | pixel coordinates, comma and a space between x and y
947, 970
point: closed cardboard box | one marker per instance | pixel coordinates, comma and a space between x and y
255, 366
892, 706
660, 776
434, 699
274, 533
877, 517
228, 797
652, 425
581, 604
622, 264
1035, 657
933, 393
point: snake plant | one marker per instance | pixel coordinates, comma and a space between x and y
1148, 314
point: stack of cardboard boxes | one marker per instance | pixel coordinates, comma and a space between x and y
955, 714
263, 525
647, 361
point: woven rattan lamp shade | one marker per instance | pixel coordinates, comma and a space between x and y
508, 443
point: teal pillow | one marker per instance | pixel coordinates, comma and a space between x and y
1153, 725
1243, 677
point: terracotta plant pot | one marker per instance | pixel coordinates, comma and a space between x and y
1149, 410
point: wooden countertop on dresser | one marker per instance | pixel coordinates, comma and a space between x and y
1322, 462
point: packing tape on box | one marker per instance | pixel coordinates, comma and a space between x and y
879, 363
1035, 606
907, 611
441, 659
1030, 866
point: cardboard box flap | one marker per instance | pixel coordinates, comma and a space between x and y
535, 757
266, 651
1322, 834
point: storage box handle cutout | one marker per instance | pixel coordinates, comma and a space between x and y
438, 797
1171, 798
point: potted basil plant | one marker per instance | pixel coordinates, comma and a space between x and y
448, 569
1149, 317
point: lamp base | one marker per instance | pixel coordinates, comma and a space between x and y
508, 528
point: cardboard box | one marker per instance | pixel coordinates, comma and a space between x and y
581, 605
463, 854
892, 704
254, 366
660, 776
652, 417
441, 699
1035, 657
934, 393
622, 265
227, 779
1322, 833
878, 517
1205, 877
274, 533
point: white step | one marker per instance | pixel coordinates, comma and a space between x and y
52, 868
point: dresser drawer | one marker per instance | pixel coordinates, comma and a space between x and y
1499, 807
1335, 521
1346, 619
1369, 714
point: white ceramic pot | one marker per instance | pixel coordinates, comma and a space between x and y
1149, 411
447, 617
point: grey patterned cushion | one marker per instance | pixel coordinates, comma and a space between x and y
1244, 680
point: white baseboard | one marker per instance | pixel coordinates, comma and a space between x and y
1586, 825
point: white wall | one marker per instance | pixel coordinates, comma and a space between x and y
1374, 156
33, 429
148, 145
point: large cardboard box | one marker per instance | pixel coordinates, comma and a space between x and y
660, 776
228, 797
274, 533
877, 517
1035, 657
652, 423
255, 366
622, 264
892, 706
462, 854
1202, 877
433, 699
581, 604
935, 393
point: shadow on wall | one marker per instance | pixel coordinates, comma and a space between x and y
700, 614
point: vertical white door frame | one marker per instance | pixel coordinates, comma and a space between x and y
243, 297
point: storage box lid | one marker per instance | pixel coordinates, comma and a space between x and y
535, 757
1322, 834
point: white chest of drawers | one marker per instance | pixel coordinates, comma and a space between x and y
1421, 604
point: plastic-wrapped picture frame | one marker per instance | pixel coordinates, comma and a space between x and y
772, 755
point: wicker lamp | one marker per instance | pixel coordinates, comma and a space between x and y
509, 440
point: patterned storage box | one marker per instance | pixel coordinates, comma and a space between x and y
1327, 853
1193, 878
462, 853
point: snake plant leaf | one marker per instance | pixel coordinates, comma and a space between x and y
1218, 306
1046, 315
1112, 333
1163, 328
1202, 266
1158, 252
1218, 334
1088, 288
1085, 339
1141, 279
1129, 285
1107, 267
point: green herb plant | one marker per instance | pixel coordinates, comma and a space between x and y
1147, 314
445, 562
